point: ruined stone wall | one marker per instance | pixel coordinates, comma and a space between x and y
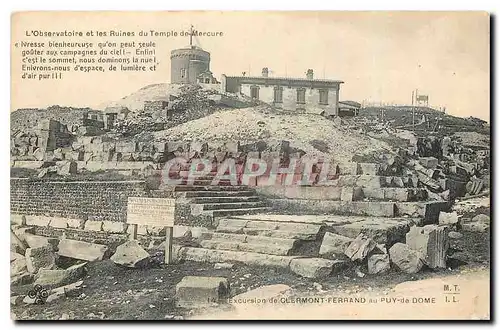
85, 200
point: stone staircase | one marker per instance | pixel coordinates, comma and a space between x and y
207, 201
244, 229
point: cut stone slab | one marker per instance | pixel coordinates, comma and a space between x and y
63, 291
381, 230
81, 250
448, 218
58, 277
378, 264
114, 227
131, 254
315, 267
406, 259
214, 256
91, 225
42, 257
200, 232
36, 220
21, 279
18, 266
35, 241
57, 222
334, 245
18, 219
198, 291
15, 255
359, 248
432, 242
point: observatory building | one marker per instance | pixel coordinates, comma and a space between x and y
190, 65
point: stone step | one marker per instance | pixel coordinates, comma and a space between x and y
242, 238
232, 205
215, 193
320, 207
395, 194
368, 181
319, 220
270, 228
226, 199
274, 249
179, 188
214, 256
233, 212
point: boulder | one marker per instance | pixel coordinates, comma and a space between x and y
455, 235
58, 277
406, 259
477, 227
131, 254
198, 291
448, 218
315, 267
432, 242
223, 265
21, 279
378, 264
333, 245
483, 218
81, 250
42, 257
359, 248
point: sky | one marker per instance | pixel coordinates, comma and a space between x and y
380, 56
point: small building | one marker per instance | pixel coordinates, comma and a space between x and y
349, 108
306, 95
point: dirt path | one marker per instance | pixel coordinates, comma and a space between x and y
461, 296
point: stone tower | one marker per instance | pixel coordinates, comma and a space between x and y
186, 64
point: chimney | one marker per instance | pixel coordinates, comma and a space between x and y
265, 72
310, 74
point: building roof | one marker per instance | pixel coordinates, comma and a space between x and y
288, 79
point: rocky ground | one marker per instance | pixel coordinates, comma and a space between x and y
112, 292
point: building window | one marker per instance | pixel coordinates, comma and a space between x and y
183, 73
301, 95
278, 94
254, 92
323, 96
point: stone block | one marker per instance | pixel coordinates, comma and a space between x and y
334, 245
57, 277
75, 223
91, 225
317, 268
36, 220
406, 259
141, 230
359, 248
477, 227
368, 168
131, 254
18, 266
448, 218
114, 227
346, 194
378, 264
428, 162
67, 168
432, 242
223, 265
200, 232
198, 291
483, 218
81, 250
58, 222
40, 258
18, 219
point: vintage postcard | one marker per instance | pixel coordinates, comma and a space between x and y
250, 165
